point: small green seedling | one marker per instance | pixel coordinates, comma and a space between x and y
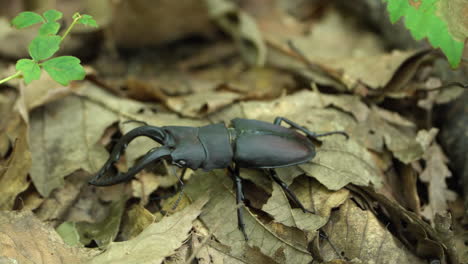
62, 69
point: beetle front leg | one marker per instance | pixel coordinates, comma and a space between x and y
288, 191
309, 133
239, 198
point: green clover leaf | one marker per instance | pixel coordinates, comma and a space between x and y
52, 15
43, 47
49, 28
64, 69
30, 70
87, 20
26, 19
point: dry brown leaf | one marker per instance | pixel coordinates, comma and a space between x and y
156, 242
416, 234
314, 196
279, 242
14, 171
359, 234
135, 220
434, 175
24, 239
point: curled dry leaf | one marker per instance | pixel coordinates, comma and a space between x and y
157, 241
359, 234
25, 239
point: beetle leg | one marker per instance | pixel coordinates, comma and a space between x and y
305, 130
239, 199
153, 155
288, 191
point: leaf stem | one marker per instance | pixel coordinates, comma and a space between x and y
75, 20
16, 75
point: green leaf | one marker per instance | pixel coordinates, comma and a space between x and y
49, 28
43, 47
422, 21
26, 19
64, 69
30, 69
87, 20
52, 15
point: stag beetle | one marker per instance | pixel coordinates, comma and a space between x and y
246, 144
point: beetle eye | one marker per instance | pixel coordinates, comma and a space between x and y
181, 163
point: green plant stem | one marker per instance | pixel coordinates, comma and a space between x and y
70, 27
16, 75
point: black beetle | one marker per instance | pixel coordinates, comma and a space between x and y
246, 144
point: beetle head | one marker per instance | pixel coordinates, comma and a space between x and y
187, 150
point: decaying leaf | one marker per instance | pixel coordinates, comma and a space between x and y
135, 220
243, 29
278, 206
14, 171
156, 242
25, 239
275, 241
434, 175
104, 232
411, 230
359, 234
58, 149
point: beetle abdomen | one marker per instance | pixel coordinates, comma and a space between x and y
264, 145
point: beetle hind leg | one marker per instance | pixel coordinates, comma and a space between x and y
239, 199
288, 191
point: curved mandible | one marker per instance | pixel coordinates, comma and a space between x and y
153, 155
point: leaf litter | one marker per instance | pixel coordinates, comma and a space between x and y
349, 186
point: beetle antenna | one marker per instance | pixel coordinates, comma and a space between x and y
332, 133
181, 186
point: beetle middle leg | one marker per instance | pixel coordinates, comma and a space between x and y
239, 198
286, 189
309, 133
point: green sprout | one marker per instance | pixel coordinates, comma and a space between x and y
62, 69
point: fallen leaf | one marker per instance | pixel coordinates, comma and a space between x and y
14, 171
357, 233
105, 231
279, 208
434, 175
242, 28
25, 239
136, 219
275, 241
156, 242
411, 230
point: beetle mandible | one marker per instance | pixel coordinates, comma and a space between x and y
245, 144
